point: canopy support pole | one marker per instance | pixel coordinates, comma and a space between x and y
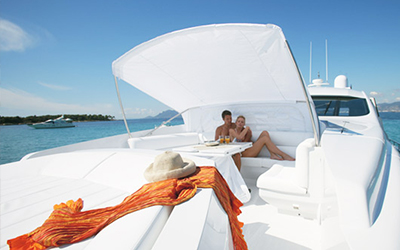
165, 122
122, 108
317, 136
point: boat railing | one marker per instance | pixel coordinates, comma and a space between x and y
165, 122
124, 116
395, 144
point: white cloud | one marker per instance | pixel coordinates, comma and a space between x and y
13, 37
376, 94
17, 102
54, 87
139, 112
388, 96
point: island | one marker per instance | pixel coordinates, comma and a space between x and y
389, 107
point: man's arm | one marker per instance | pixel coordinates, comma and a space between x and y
218, 132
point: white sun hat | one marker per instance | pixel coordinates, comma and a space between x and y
169, 165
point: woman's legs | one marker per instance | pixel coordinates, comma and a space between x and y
255, 149
265, 139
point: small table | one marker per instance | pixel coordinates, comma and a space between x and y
222, 156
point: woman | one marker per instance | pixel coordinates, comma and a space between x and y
242, 133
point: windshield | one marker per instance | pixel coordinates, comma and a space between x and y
340, 106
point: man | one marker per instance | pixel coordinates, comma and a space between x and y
228, 124
224, 131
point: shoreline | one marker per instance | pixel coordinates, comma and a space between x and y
17, 124
144, 118
17, 120
32, 119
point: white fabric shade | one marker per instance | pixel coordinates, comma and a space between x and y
213, 64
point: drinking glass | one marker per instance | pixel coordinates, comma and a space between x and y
221, 139
227, 139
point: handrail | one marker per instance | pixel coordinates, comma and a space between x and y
165, 122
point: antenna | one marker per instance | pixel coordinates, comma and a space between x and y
310, 59
326, 55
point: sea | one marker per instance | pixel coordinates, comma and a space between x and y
18, 140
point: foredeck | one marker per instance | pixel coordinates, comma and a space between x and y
265, 228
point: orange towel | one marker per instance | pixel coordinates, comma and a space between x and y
68, 224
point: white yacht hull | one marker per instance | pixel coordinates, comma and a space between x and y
60, 122
49, 126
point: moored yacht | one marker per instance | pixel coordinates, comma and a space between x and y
341, 192
59, 122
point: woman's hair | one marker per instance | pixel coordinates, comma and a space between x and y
241, 116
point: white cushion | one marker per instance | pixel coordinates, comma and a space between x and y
264, 162
280, 179
302, 162
284, 140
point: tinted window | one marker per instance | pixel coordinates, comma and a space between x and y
340, 106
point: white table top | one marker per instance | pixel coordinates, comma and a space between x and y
224, 149
222, 156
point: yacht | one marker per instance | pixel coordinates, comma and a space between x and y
341, 192
59, 122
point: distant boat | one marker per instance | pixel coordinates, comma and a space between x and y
60, 122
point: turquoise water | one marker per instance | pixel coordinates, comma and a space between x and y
19, 140
391, 124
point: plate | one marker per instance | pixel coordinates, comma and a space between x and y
211, 143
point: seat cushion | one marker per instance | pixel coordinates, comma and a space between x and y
264, 162
280, 179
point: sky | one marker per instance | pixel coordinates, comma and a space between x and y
56, 55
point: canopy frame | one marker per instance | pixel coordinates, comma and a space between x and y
122, 107
316, 130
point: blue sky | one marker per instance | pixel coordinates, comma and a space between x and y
56, 56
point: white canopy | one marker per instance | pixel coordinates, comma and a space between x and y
213, 64
210, 68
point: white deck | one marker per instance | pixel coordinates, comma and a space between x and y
27, 200
104, 177
265, 228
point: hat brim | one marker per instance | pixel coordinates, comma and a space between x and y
153, 176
